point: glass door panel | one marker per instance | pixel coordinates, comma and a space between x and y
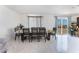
62, 33
62, 25
59, 26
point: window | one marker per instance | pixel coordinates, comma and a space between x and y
34, 21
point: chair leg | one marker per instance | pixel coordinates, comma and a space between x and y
45, 39
55, 37
29, 39
15, 36
38, 38
22, 38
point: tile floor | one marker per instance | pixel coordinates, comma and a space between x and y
32, 47
42, 46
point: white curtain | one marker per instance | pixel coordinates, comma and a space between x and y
34, 22
38, 19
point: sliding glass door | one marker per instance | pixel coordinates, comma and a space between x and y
62, 25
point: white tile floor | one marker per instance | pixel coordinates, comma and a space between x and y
41, 47
73, 45
33, 47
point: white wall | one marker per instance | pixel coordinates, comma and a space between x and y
48, 21
8, 19
24, 20
74, 18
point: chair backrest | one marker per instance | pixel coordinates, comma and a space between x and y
42, 30
54, 29
34, 30
26, 30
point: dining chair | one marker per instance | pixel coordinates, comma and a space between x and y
42, 33
26, 33
34, 33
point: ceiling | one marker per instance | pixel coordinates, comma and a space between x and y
46, 9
